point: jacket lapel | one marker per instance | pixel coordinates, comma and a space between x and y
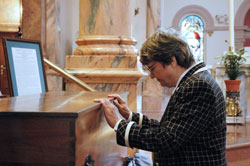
175, 95
192, 71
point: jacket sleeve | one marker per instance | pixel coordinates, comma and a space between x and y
146, 122
192, 112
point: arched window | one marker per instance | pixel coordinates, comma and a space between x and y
192, 27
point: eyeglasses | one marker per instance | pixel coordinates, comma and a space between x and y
150, 68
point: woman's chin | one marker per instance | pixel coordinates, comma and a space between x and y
163, 84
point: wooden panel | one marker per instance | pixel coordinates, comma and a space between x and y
36, 141
4, 87
96, 138
56, 128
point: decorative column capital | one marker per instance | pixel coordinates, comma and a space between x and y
105, 45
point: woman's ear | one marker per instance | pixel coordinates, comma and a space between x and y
174, 62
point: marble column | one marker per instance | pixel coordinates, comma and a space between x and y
152, 88
53, 40
32, 26
106, 57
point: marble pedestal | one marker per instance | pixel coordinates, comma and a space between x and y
107, 64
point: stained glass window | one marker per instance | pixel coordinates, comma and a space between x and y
192, 27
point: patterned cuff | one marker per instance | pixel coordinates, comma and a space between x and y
127, 133
140, 119
117, 124
130, 116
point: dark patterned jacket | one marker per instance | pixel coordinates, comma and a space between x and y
192, 131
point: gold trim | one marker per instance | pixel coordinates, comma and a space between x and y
67, 76
108, 72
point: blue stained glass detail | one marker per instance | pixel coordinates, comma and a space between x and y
192, 27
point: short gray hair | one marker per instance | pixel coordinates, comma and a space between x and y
165, 44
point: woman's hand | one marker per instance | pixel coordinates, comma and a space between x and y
109, 111
121, 105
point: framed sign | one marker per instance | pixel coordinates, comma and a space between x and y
24, 63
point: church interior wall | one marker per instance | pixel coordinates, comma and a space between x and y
215, 42
216, 48
70, 16
220, 29
139, 22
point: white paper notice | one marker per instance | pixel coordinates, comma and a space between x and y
26, 71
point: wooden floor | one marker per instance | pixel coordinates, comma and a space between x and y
238, 145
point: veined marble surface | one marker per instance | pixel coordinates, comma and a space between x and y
32, 24
104, 17
106, 58
152, 90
